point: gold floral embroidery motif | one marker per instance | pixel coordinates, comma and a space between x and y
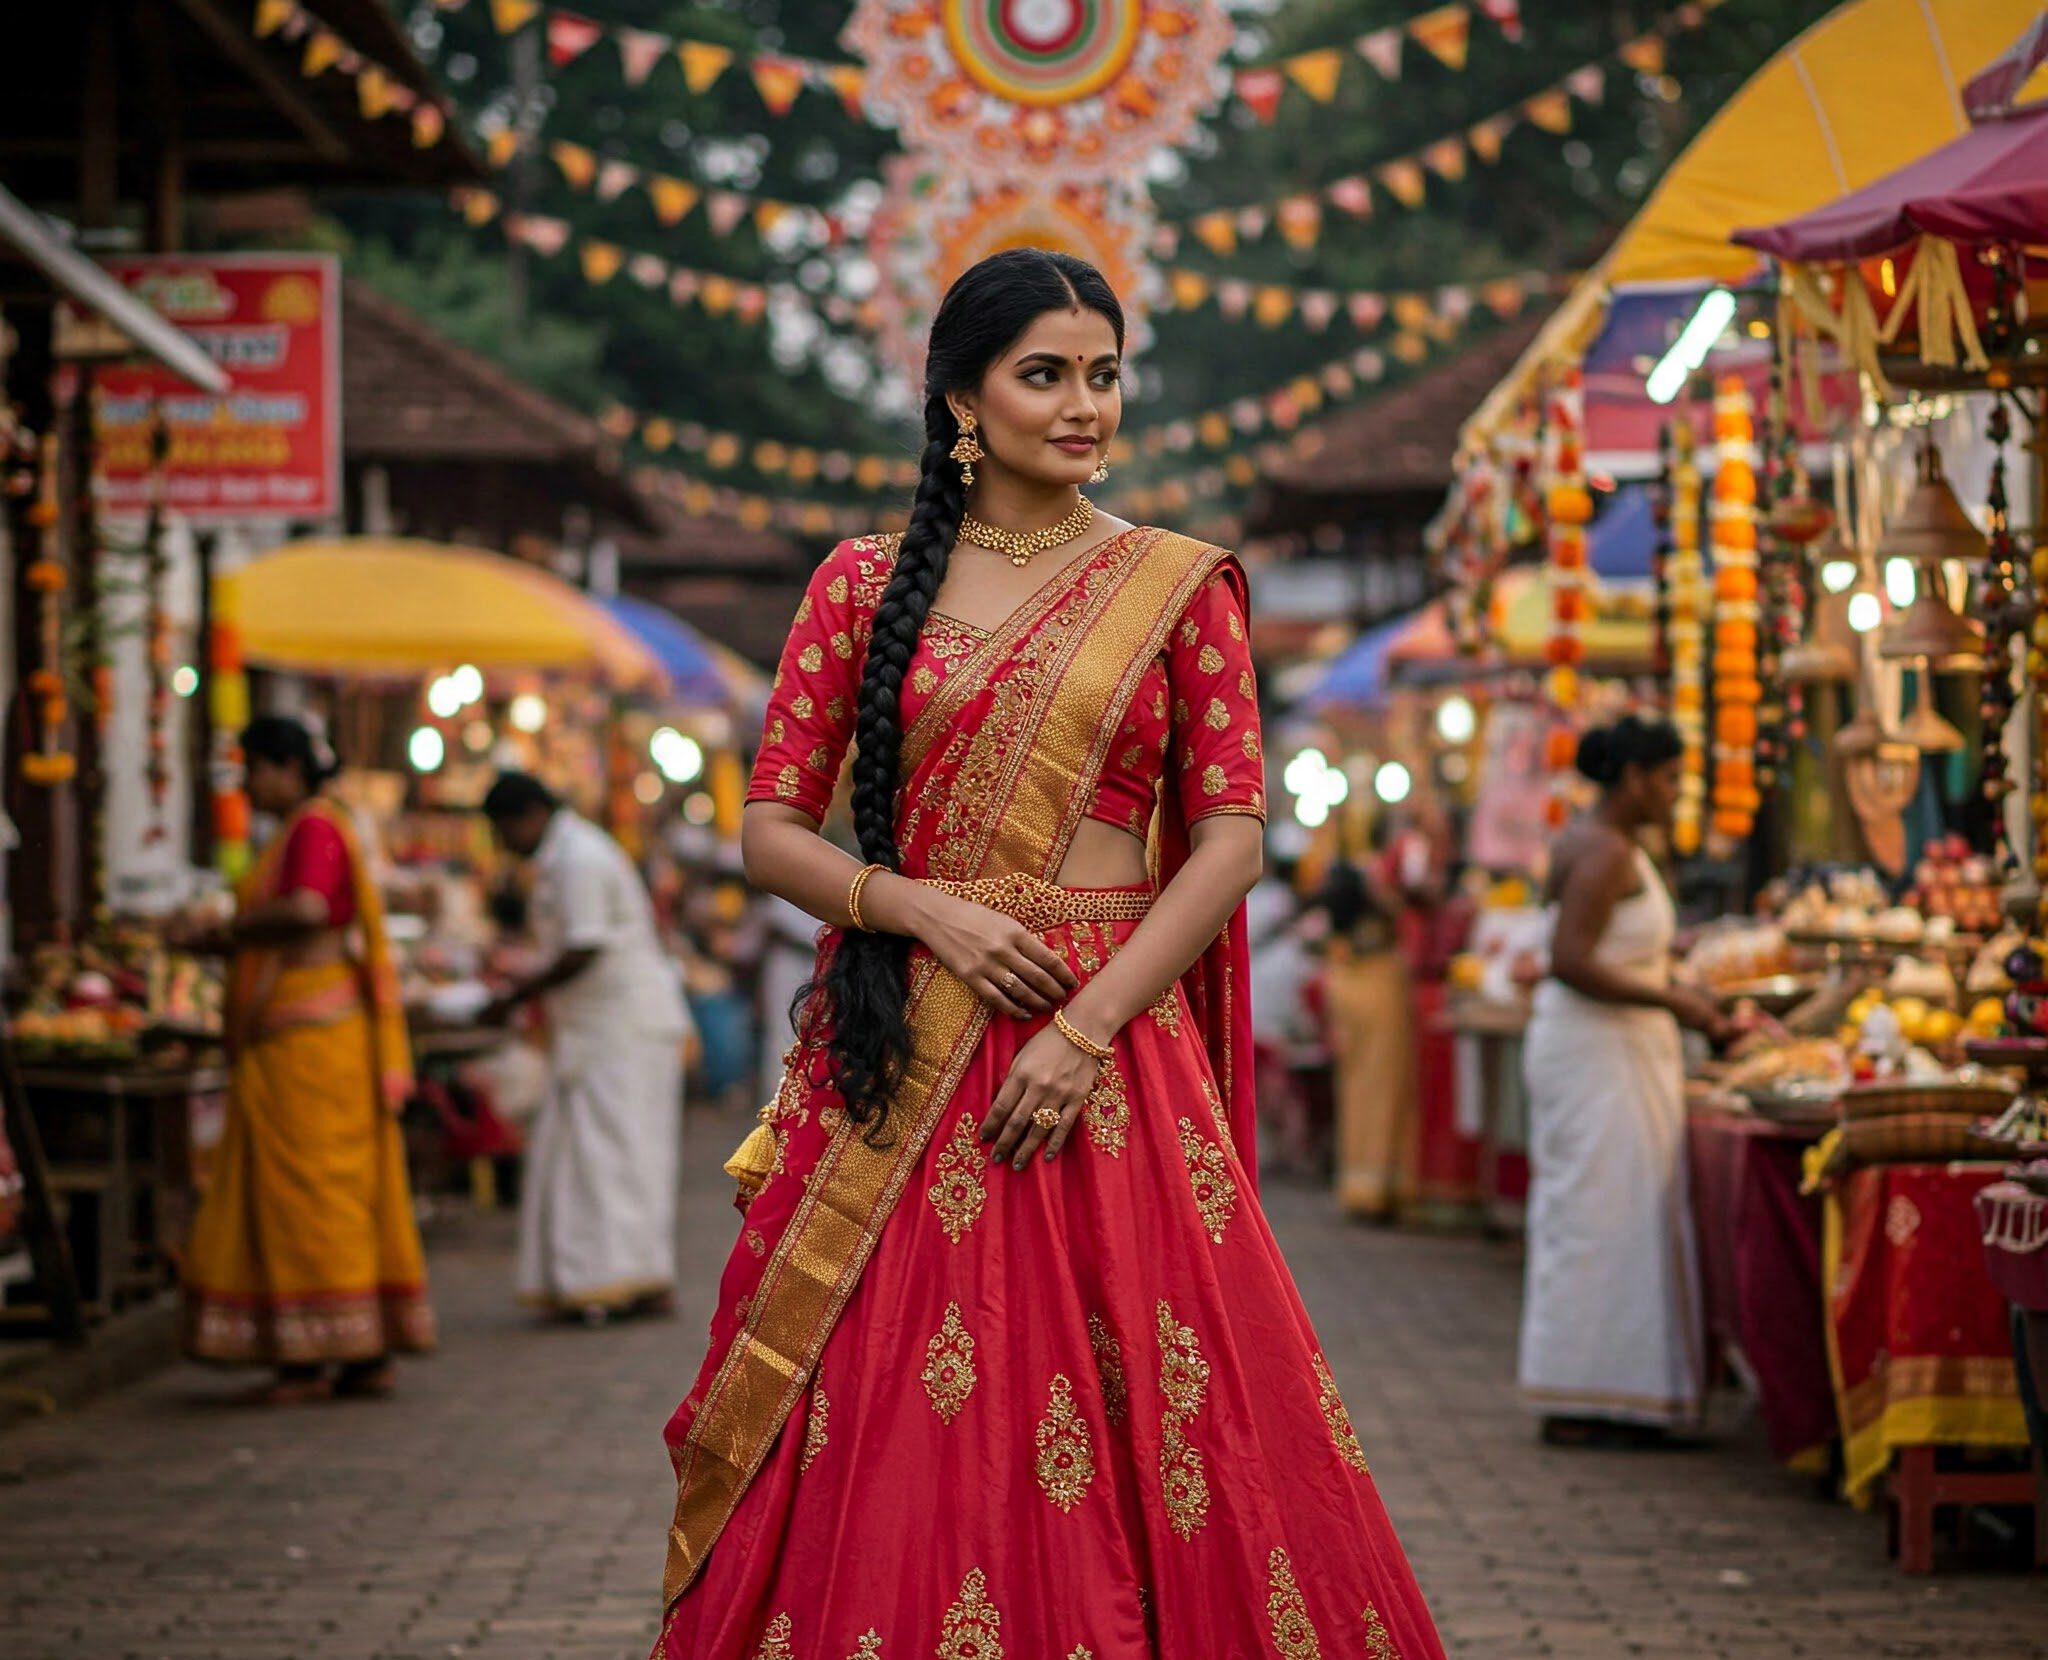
1087, 941
1217, 1115
803, 610
1217, 714
924, 680
1236, 628
1209, 1176
1066, 1456
949, 1366
1247, 687
757, 1241
1213, 780
1210, 660
1183, 1373
868, 1647
1339, 1420
802, 707
821, 759
811, 659
1131, 759
1183, 1482
972, 1627
1189, 633
777, 1640
1166, 1012
835, 590
959, 1193
1249, 743
835, 711
1159, 706
1294, 1635
1379, 1642
786, 782
816, 1426
1108, 1111
1180, 711
1082, 1654
1109, 1369
777, 731
842, 645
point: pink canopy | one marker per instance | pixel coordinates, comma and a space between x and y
1990, 185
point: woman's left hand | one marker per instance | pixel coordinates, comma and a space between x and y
1048, 1072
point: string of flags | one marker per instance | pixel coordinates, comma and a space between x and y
1444, 32
1272, 305
1404, 180
379, 92
801, 464
758, 512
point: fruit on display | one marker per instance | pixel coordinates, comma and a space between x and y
1951, 881
93, 1003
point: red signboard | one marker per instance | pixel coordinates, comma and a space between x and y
270, 446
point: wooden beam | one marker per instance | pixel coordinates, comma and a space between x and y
166, 206
99, 121
243, 50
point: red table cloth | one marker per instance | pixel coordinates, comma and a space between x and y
1759, 1243
1918, 1335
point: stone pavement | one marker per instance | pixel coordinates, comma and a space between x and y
510, 1504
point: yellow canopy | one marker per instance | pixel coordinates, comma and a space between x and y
1872, 86
388, 605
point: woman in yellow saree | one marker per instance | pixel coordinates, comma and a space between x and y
304, 1253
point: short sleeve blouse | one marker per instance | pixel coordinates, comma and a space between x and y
809, 723
1216, 761
316, 861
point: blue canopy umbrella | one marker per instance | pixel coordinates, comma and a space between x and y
1357, 675
686, 657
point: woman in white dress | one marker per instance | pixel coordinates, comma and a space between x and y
1611, 1349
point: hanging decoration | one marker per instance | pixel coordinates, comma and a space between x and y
379, 92
1568, 510
228, 709
1688, 626
1063, 91
1737, 689
1444, 32
1660, 570
2001, 600
45, 761
1793, 519
157, 630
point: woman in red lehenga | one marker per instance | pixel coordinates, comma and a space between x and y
1006, 1364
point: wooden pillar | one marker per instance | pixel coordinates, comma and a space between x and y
42, 815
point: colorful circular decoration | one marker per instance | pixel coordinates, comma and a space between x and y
1066, 90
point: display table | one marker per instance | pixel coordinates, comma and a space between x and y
1492, 1105
1760, 1274
2013, 1221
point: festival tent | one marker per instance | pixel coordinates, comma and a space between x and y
696, 673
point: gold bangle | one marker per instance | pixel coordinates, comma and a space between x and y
860, 880
1080, 1039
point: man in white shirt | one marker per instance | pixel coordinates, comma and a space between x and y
598, 1212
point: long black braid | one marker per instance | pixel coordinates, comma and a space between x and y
983, 315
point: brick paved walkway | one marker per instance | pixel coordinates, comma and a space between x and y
511, 1502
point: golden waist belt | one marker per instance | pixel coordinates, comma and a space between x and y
1040, 904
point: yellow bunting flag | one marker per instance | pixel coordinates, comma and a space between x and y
479, 207
1273, 305
1301, 221
1240, 469
770, 456
778, 81
723, 451
871, 472
1404, 181
1214, 429
850, 82
429, 125
702, 63
1485, 136
272, 15
501, 146
1446, 158
658, 433
1218, 232
1552, 110
756, 512
717, 295
578, 164
601, 260
1410, 348
803, 465
323, 51
1444, 34
815, 520
697, 499
768, 214
1188, 288
510, 16
1644, 54
1316, 73
672, 198
373, 92
1411, 311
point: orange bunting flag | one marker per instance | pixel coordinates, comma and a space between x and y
1404, 181
1260, 90
702, 63
871, 472
273, 15
1316, 73
1644, 54
479, 207
617, 421
850, 82
1214, 429
508, 17
768, 214
1273, 305
1485, 136
778, 81
672, 198
1552, 110
658, 433
600, 260
1382, 49
429, 125
501, 146
1188, 288
1446, 158
639, 51
323, 52
1410, 348
1301, 221
570, 35
1217, 231
1411, 311
1444, 33
1353, 195
717, 295
1240, 469
578, 165
1504, 297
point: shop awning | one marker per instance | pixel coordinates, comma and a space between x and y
367, 605
84, 283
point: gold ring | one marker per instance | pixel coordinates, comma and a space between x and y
1010, 983
1046, 1118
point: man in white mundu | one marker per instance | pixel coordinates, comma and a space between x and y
598, 1210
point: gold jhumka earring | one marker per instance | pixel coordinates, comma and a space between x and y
967, 451
1101, 473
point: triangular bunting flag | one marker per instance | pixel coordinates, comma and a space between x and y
1444, 34
1234, 298
1252, 221
578, 165
1318, 308
1552, 110
850, 82
1410, 348
1353, 195
1188, 288
672, 198
1644, 54
1301, 221
702, 63
768, 214
373, 93
1454, 302
510, 16
1217, 232
1165, 241
1260, 91
725, 211
1507, 14
778, 81
1485, 136
1240, 469
542, 235
1369, 364
323, 52
615, 178
750, 304
1587, 84
479, 207
682, 286
570, 35
1411, 312
1337, 380
1446, 158
648, 270
639, 51
1382, 49
1404, 181
271, 15
501, 146
1273, 305
1366, 309
1316, 73
658, 433
429, 125
716, 294
617, 421
1504, 297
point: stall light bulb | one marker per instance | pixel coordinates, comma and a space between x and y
699, 808
185, 680
444, 698
1311, 811
1303, 771
1901, 582
647, 789
477, 736
1866, 611
1838, 574
1456, 721
680, 758
426, 750
468, 682
529, 712
1333, 789
1392, 783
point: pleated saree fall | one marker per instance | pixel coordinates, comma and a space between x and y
1073, 1413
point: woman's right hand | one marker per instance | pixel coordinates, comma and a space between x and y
996, 957
1700, 1013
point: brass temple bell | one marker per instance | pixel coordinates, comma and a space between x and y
1929, 530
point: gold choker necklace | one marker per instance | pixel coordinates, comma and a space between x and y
1020, 546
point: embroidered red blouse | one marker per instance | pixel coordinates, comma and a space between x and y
1195, 717
316, 861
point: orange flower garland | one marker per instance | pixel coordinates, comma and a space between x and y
1737, 688
47, 763
1569, 509
1687, 577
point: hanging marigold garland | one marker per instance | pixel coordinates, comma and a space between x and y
1737, 689
1660, 572
157, 577
1568, 509
1687, 635
46, 761
2000, 598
